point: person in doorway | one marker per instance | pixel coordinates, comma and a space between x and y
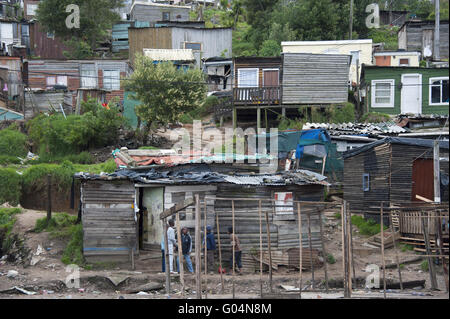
163, 254
186, 248
171, 243
237, 251
210, 248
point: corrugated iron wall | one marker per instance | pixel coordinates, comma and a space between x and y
315, 78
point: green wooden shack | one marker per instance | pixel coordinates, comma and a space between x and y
404, 90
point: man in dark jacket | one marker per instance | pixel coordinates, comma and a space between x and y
210, 247
186, 248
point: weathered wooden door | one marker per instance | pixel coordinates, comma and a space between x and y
271, 80
153, 199
422, 179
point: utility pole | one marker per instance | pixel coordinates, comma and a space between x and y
351, 20
437, 31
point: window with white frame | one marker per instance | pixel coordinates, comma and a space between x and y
88, 76
439, 91
111, 79
56, 80
383, 93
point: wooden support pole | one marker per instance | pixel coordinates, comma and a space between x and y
220, 252
348, 250
351, 246
206, 254
270, 251
258, 119
260, 250
234, 118
166, 253
323, 251
396, 251
180, 255
441, 248
344, 255
382, 249
300, 279
310, 250
233, 244
49, 197
198, 248
431, 269
436, 168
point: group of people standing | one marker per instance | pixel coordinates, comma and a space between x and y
186, 249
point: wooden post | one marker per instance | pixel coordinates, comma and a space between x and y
180, 255
166, 253
220, 252
258, 118
436, 168
310, 250
382, 249
206, 255
431, 269
347, 252
323, 251
396, 251
300, 284
233, 244
234, 117
441, 248
267, 121
260, 251
351, 246
49, 197
344, 255
198, 248
270, 252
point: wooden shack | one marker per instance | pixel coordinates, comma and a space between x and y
392, 170
109, 205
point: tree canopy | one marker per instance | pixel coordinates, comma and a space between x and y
165, 92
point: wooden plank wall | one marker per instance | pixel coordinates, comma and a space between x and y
148, 38
260, 63
108, 220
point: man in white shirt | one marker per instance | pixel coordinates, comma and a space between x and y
171, 243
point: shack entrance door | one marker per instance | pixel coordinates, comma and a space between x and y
153, 199
422, 179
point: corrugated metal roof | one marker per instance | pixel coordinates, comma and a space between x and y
169, 54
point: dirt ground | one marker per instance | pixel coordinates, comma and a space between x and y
46, 279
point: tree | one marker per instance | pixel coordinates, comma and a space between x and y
165, 92
96, 17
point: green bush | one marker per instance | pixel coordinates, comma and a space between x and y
35, 177
13, 142
73, 253
57, 223
7, 159
7, 221
61, 136
366, 227
201, 111
10, 186
424, 265
81, 158
331, 259
374, 117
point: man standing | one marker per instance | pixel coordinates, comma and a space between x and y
210, 248
186, 248
237, 251
171, 244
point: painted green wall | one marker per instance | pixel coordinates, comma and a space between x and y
387, 73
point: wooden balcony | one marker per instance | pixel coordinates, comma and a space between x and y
257, 95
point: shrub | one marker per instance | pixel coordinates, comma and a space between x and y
369, 227
73, 253
331, 259
374, 117
35, 177
424, 265
7, 221
7, 159
56, 224
81, 158
10, 186
13, 142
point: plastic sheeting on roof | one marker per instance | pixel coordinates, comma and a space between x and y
299, 177
396, 140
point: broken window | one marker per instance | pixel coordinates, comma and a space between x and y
366, 182
88, 76
56, 80
111, 79
284, 203
438, 91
